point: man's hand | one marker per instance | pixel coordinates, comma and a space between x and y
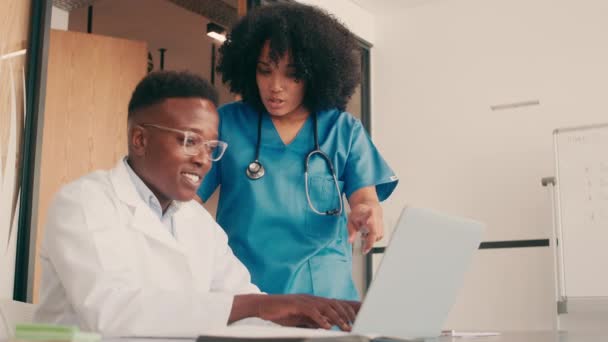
365, 217
309, 311
300, 310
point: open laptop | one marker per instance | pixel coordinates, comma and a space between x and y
420, 274
413, 290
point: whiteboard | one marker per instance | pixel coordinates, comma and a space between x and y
581, 163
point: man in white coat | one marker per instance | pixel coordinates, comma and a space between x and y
127, 252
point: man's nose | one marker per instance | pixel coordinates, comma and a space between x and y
202, 157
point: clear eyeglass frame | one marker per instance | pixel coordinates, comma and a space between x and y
194, 143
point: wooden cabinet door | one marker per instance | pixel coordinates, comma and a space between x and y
90, 79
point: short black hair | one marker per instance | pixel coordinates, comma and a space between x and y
323, 52
160, 85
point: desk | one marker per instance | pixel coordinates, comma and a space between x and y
537, 336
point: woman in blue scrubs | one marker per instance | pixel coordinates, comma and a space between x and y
294, 154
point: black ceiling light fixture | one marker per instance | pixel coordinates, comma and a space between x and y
162, 58
216, 32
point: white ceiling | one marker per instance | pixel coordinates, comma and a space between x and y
384, 6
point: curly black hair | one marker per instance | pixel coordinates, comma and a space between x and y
160, 85
323, 52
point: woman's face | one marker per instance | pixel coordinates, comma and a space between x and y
281, 92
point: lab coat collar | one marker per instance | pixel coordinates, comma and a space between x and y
143, 219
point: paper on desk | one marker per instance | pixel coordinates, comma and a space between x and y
456, 333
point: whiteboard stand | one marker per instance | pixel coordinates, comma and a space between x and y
558, 272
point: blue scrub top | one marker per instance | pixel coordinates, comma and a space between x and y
285, 245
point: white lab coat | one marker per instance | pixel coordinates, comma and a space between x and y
109, 264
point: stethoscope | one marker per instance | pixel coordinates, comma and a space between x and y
255, 169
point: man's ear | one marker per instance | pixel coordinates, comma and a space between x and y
138, 140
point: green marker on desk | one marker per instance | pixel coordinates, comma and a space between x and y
54, 332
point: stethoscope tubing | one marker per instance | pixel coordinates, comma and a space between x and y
255, 170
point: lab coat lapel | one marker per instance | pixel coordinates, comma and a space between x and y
143, 218
185, 223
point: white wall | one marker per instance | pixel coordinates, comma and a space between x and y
59, 19
357, 19
437, 69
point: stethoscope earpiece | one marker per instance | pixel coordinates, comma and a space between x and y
255, 170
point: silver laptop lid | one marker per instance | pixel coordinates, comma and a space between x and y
419, 276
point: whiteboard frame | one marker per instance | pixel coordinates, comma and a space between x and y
562, 285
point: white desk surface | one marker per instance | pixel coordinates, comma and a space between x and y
537, 336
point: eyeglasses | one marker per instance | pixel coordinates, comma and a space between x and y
193, 143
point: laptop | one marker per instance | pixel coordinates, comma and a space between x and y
412, 293
419, 276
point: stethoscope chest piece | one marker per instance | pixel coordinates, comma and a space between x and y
255, 170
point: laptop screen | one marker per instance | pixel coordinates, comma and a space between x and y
419, 276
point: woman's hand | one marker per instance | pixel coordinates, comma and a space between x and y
365, 217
